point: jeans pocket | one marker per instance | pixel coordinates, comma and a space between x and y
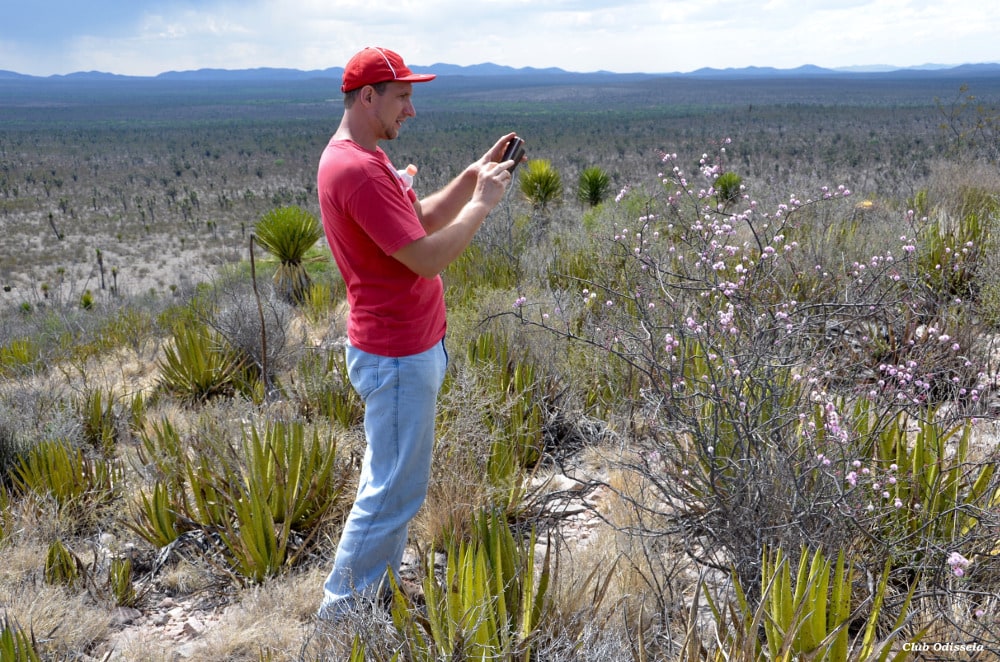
363, 371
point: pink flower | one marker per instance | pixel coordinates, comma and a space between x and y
958, 564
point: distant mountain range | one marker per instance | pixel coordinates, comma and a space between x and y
490, 69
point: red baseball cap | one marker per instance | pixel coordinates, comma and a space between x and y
378, 65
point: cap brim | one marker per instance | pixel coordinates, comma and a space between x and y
417, 78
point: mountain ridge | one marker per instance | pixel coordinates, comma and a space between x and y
491, 69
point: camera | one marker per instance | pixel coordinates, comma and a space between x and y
514, 151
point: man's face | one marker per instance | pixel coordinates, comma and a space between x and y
392, 108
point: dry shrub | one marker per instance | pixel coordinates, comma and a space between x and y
187, 577
950, 181
457, 488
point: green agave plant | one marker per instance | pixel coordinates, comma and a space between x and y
933, 485
267, 501
4, 513
286, 488
65, 474
19, 357
62, 567
16, 645
490, 605
121, 583
198, 365
517, 417
156, 519
807, 616
99, 420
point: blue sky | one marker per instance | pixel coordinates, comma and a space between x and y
147, 37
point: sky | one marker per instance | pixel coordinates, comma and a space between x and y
148, 37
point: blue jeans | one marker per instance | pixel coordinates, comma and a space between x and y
400, 396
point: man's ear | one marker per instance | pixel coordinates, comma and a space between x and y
367, 92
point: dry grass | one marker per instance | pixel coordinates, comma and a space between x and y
269, 620
64, 621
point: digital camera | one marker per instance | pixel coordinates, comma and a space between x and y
514, 151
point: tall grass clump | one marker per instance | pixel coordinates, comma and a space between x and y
757, 344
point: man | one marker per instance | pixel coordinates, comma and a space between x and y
390, 248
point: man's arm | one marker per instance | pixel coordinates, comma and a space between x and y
429, 255
438, 209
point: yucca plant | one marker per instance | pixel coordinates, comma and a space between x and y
197, 365
286, 488
288, 233
593, 187
16, 645
156, 519
541, 184
492, 602
64, 473
121, 583
62, 567
728, 187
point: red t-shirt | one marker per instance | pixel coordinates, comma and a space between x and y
368, 216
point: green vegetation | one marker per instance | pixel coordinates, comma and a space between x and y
593, 187
541, 184
288, 234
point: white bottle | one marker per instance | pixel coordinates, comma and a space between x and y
406, 175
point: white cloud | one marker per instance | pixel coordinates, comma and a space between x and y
146, 37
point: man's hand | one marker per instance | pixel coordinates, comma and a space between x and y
495, 153
492, 180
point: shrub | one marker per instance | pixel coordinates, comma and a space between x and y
237, 314
750, 354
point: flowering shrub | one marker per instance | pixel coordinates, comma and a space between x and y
759, 346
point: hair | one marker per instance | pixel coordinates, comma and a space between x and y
349, 97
